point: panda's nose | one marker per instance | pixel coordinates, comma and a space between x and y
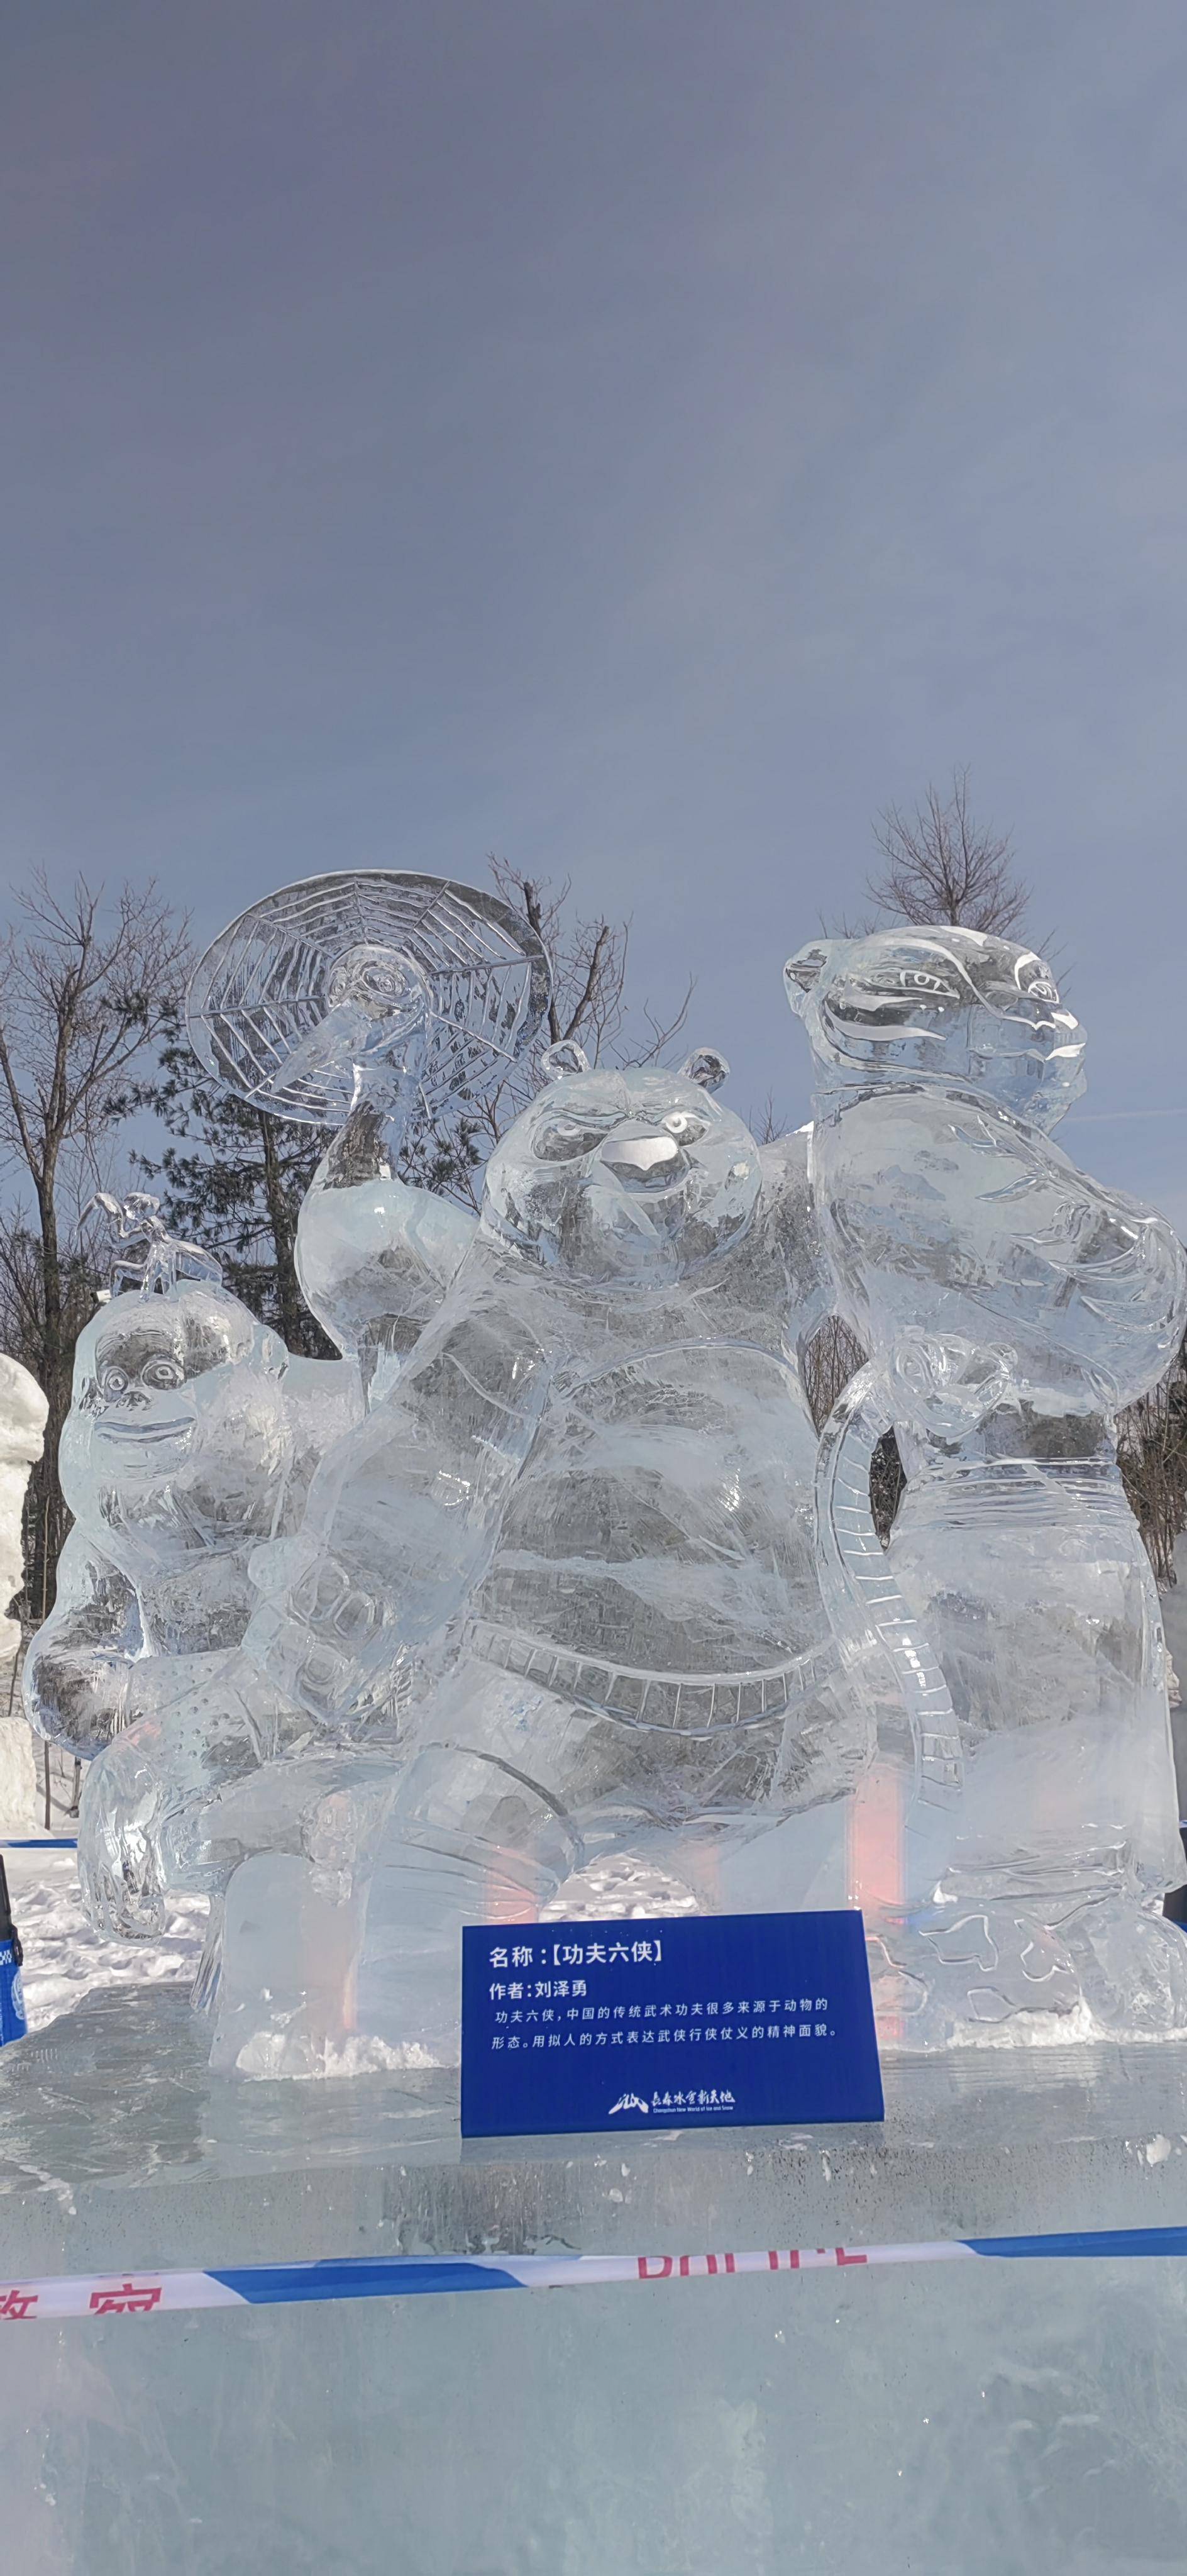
641, 1158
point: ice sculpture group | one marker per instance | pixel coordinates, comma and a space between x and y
546, 1597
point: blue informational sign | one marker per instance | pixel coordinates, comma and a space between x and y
703, 2021
12, 2002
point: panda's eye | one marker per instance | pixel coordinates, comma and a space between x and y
564, 1140
916, 979
686, 1127
162, 1372
1043, 991
114, 1381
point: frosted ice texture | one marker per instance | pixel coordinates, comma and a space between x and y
1010, 1306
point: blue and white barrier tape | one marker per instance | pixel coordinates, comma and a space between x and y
40, 1842
413, 2276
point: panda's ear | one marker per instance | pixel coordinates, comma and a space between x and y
706, 1066
804, 970
565, 1057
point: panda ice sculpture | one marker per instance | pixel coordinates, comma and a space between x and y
582, 1523
1011, 1306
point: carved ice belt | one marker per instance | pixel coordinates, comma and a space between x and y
1014, 1492
686, 1703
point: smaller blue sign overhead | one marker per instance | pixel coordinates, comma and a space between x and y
12, 2002
704, 2021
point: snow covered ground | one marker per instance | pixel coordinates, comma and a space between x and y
64, 1958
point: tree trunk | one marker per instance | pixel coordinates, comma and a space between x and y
289, 1302
55, 1372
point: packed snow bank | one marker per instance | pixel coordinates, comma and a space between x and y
22, 1430
22, 1801
64, 1959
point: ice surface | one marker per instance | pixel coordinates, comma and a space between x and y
1010, 1306
975, 2418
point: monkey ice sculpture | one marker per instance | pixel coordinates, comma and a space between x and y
191, 1437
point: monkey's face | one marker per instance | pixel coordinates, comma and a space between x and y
177, 1439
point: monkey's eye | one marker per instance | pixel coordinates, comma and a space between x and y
686, 1127
113, 1381
1043, 991
564, 1140
162, 1372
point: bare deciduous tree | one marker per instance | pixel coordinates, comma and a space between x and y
833, 1356
941, 865
84, 989
589, 1004
232, 1178
1152, 1456
588, 959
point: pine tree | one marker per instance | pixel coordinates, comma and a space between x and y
232, 1179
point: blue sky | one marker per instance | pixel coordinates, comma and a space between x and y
643, 439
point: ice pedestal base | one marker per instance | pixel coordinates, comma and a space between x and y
978, 2419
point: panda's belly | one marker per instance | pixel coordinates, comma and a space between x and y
663, 1522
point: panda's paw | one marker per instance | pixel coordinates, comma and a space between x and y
619, 1885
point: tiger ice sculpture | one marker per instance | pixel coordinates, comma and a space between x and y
1010, 1306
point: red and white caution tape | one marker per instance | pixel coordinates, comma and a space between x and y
148, 2293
